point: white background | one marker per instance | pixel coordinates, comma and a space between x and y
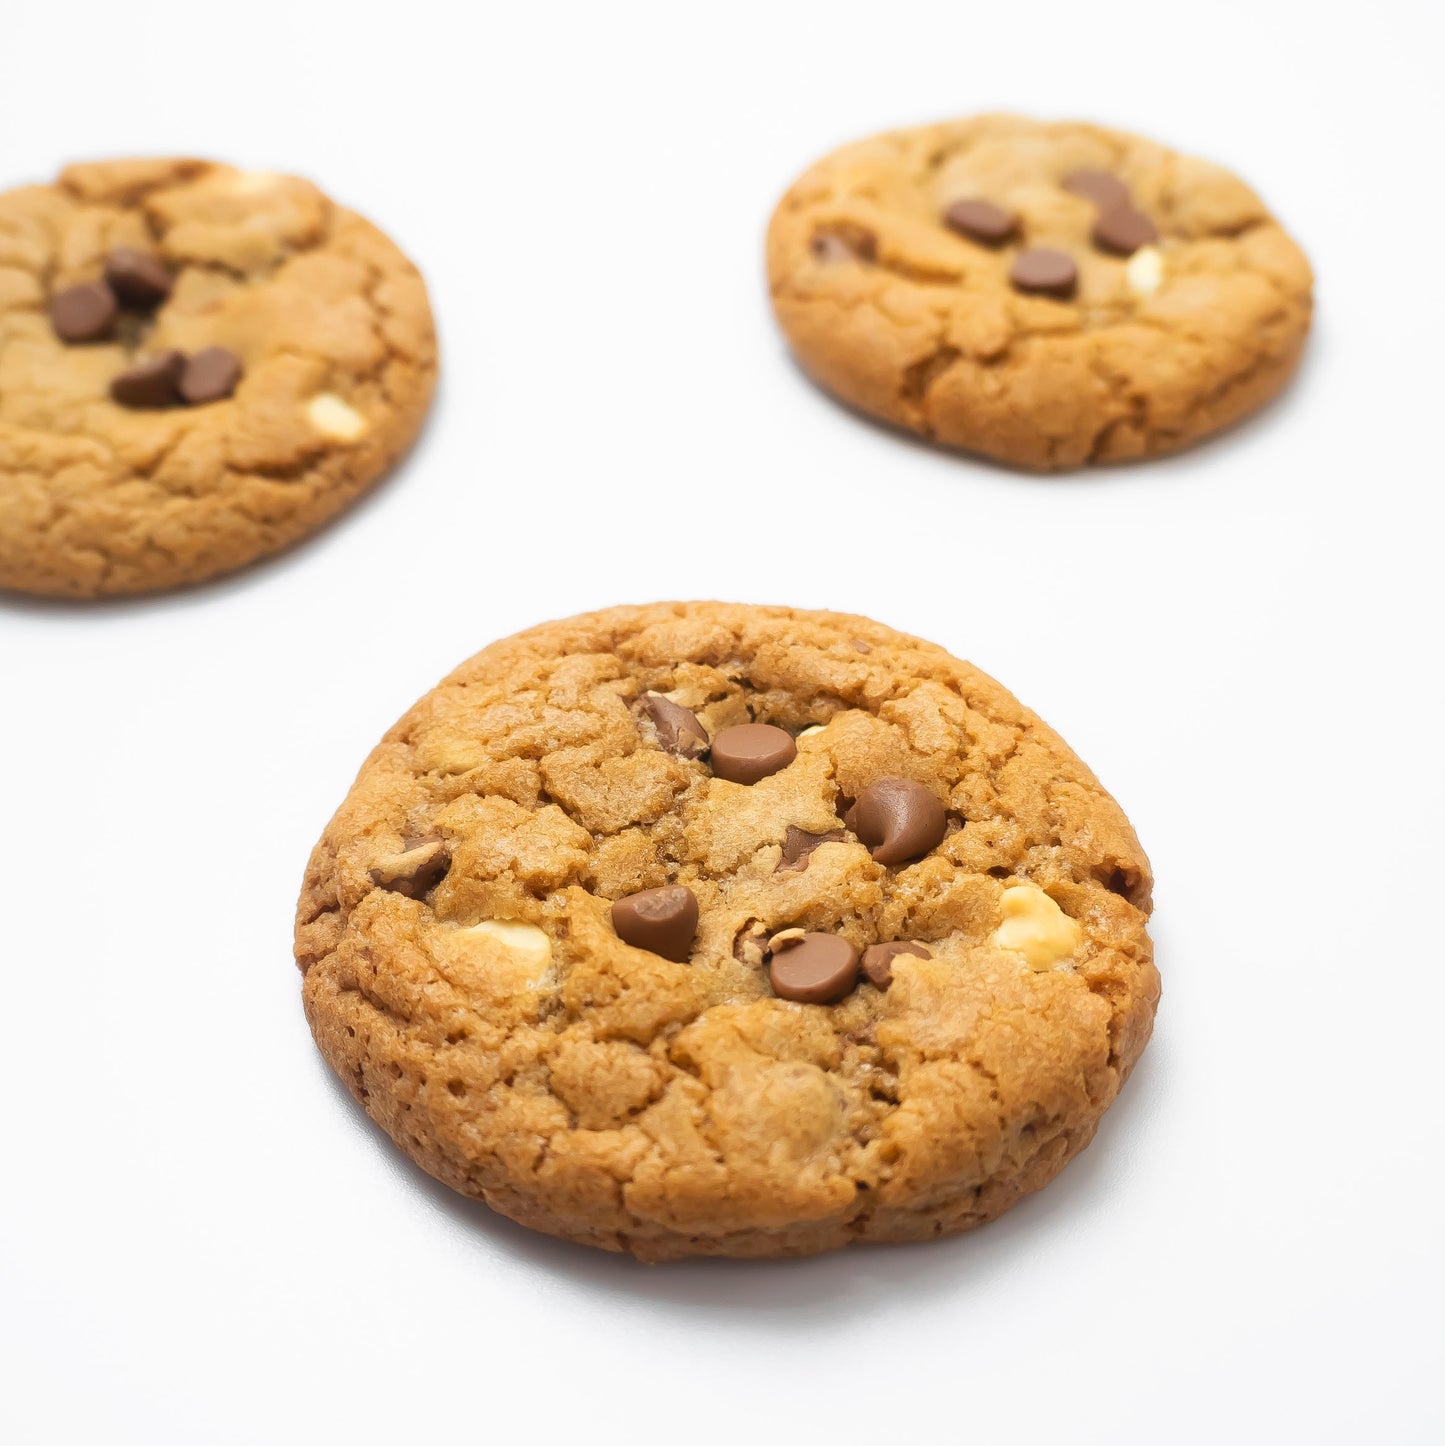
202, 1240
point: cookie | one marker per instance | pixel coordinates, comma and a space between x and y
1048, 295
198, 366
701, 929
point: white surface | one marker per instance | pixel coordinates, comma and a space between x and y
201, 1240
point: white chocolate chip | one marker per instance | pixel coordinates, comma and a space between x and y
252, 183
812, 732
503, 967
525, 943
1034, 926
334, 418
1145, 271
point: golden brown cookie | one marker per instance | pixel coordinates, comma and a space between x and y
702, 929
198, 366
1046, 294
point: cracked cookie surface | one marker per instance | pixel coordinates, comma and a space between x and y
1151, 347
464, 978
329, 321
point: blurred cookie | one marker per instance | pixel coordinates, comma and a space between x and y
198, 366
1048, 295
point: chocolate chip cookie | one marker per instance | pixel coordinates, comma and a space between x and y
1048, 295
700, 929
198, 366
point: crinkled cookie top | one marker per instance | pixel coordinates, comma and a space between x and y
466, 978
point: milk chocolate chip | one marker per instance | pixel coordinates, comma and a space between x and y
418, 869
1123, 230
878, 960
747, 752
1045, 272
678, 730
798, 846
813, 968
150, 383
1103, 188
662, 921
138, 279
83, 313
210, 376
897, 819
982, 221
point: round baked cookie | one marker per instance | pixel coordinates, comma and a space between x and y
702, 929
198, 366
1048, 295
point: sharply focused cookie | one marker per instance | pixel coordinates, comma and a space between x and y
1046, 294
726, 930
198, 366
